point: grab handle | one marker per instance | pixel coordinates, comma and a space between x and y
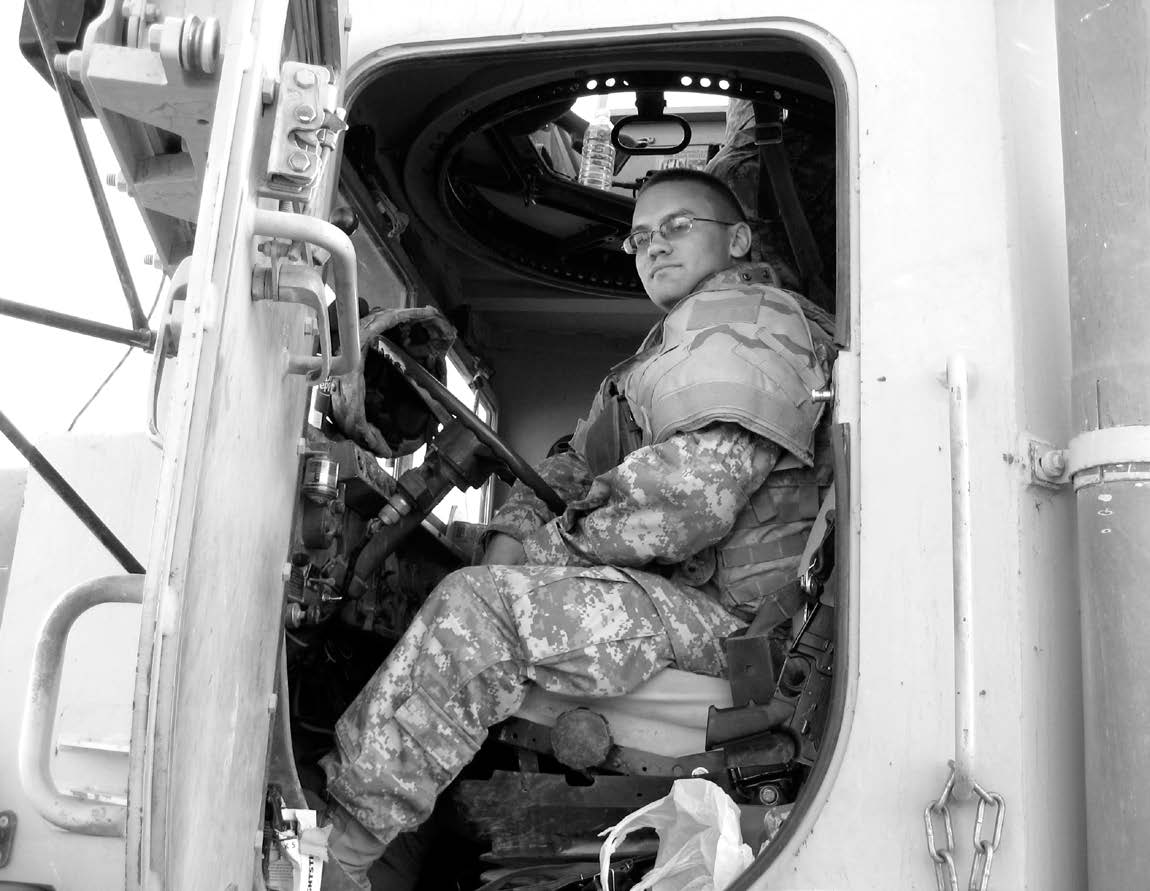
70, 812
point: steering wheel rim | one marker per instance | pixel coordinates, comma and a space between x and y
431, 388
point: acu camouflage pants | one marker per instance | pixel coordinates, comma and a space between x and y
464, 664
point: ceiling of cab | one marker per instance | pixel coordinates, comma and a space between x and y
480, 152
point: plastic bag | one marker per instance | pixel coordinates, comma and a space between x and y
700, 841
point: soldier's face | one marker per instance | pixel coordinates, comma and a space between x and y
670, 268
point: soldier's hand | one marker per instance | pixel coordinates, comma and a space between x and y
503, 550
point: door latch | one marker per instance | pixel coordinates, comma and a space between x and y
305, 130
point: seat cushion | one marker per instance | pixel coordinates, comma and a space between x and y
666, 716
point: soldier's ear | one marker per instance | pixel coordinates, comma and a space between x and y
740, 240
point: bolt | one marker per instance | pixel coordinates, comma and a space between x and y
268, 90
295, 615
768, 795
305, 77
305, 114
389, 515
299, 161
71, 64
1052, 464
153, 261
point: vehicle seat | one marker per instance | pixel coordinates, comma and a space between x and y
667, 715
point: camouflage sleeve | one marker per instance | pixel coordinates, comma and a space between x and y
523, 512
664, 503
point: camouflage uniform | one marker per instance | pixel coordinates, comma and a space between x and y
608, 597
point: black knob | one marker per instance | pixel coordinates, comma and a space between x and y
345, 219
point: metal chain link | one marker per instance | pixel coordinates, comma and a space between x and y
945, 872
944, 869
984, 848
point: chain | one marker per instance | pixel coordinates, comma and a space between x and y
945, 872
984, 848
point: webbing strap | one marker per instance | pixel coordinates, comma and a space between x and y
819, 531
763, 552
777, 606
775, 174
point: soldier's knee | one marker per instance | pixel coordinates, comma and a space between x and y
465, 588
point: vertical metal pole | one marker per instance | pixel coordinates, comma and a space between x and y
1105, 95
958, 387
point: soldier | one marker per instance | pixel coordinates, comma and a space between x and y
690, 486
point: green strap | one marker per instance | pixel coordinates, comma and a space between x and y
775, 174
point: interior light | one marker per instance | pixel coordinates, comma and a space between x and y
592, 84
685, 80
724, 85
704, 81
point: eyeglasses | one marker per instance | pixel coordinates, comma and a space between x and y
672, 228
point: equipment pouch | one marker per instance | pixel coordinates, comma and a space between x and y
612, 434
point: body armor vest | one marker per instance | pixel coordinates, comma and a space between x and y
737, 350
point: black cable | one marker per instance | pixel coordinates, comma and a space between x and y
123, 359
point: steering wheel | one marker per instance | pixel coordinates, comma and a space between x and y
435, 392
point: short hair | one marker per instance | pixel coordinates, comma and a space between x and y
714, 187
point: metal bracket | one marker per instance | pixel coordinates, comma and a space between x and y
306, 128
7, 836
167, 343
296, 282
1053, 468
1047, 465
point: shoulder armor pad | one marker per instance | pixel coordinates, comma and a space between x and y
743, 355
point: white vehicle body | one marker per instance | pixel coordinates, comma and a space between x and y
952, 260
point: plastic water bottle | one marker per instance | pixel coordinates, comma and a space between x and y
598, 167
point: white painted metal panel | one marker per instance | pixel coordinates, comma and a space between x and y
213, 603
956, 241
117, 476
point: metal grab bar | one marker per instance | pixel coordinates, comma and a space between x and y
958, 389
300, 227
70, 812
